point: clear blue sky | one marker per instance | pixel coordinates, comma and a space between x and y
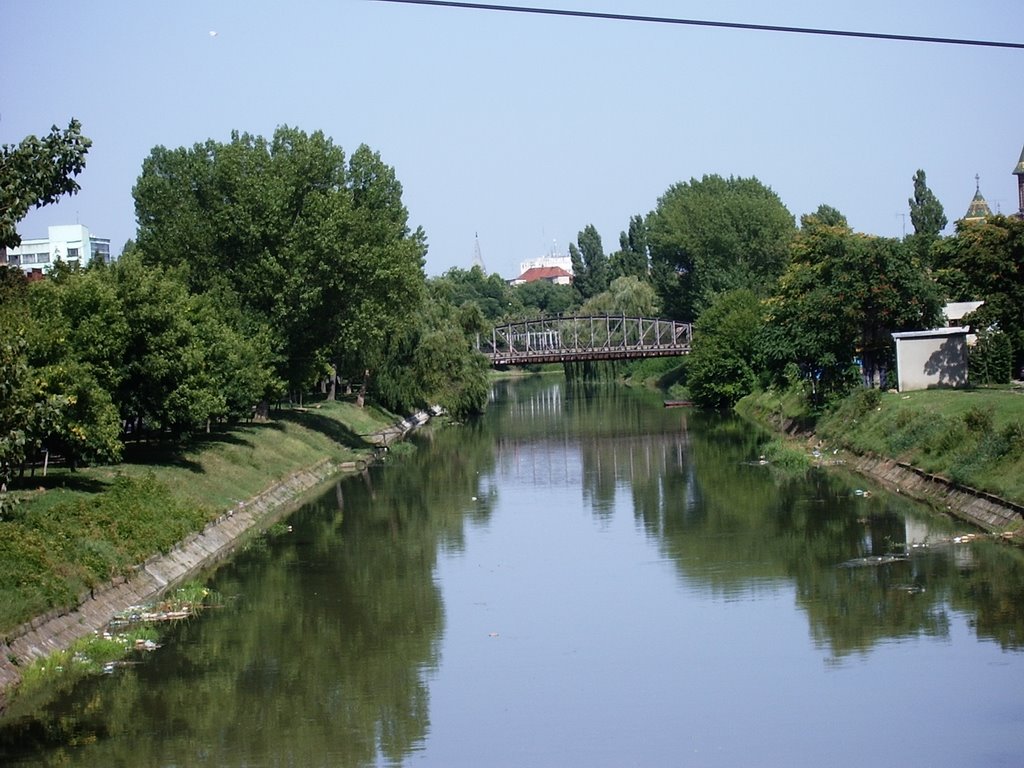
525, 129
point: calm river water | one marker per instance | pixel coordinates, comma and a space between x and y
583, 578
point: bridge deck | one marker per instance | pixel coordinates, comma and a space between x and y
574, 339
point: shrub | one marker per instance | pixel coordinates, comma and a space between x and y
978, 420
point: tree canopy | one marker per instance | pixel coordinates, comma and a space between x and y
315, 250
714, 235
841, 297
589, 264
985, 262
37, 172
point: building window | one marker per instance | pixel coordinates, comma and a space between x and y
72, 253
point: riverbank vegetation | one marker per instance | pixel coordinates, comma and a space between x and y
73, 531
269, 271
972, 437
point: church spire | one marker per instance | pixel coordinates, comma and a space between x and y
978, 210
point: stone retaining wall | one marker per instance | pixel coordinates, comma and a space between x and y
57, 630
983, 509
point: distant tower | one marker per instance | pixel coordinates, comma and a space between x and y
978, 210
478, 259
1019, 173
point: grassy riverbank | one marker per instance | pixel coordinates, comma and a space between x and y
973, 437
73, 531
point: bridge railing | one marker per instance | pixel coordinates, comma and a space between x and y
563, 339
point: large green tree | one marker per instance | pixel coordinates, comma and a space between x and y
721, 368
928, 219
841, 298
926, 212
632, 259
37, 172
589, 264
984, 261
316, 250
714, 235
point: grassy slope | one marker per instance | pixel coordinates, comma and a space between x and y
974, 437
72, 531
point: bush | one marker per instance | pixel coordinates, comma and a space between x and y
990, 361
978, 421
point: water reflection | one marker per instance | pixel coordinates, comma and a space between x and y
329, 644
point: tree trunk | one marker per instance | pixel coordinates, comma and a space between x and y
361, 399
333, 389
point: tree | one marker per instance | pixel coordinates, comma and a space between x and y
841, 297
720, 369
38, 172
432, 361
317, 252
542, 297
926, 212
927, 216
985, 261
629, 296
715, 235
589, 264
489, 292
632, 259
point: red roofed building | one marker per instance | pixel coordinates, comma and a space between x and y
555, 275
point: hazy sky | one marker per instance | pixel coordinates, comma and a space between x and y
524, 129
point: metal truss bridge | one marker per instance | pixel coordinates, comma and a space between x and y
574, 339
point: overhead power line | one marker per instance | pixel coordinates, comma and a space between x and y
702, 23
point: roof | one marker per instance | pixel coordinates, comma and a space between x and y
956, 310
978, 209
542, 273
932, 332
1019, 170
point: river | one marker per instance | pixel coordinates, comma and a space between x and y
581, 578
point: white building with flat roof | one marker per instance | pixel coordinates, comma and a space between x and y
71, 243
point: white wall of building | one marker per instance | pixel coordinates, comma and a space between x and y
934, 358
64, 242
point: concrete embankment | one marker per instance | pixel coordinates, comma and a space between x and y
58, 629
985, 510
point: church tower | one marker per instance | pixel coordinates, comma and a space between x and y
978, 210
1019, 173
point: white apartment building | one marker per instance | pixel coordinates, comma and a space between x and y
65, 242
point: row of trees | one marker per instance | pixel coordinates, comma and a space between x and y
261, 267
774, 302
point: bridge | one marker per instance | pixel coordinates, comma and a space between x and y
575, 339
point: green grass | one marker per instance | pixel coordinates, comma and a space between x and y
73, 531
102, 651
974, 437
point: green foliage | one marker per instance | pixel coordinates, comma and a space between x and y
841, 297
714, 235
784, 455
434, 362
541, 298
37, 172
978, 421
489, 293
990, 360
985, 261
48, 556
316, 252
633, 258
589, 265
629, 296
926, 212
28, 413
720, 369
